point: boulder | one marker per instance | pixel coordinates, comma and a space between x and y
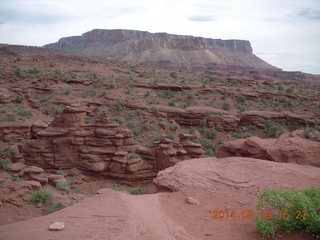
290, 147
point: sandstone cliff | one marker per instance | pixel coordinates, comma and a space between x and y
138, 47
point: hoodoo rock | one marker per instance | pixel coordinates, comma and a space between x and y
290, 147
102, 146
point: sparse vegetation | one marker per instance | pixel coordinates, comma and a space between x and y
288, 211
25, 113
54, 207
273, 129
63, 186
18, 98
42, 196
58, 109
5, 162
226, 106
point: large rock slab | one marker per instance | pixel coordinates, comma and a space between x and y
290, 147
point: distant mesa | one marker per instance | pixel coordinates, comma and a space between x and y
163, 49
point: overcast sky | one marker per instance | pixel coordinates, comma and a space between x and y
285, 33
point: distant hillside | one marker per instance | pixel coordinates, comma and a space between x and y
162, 49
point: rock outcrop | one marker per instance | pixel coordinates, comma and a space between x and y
290, 148
138, 47
17, 131
102, 146
192, 116
259, 118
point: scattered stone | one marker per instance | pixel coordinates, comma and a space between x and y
56, 226
192, 201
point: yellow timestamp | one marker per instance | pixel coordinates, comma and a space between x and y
250, 214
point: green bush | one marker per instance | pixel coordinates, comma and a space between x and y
208, 146
42, 196
55, 207
291, 210
226, 106
173, 127
18, 98
134, 155
273, 129
10, 117
63, 186
5, 162
120, 106
242, 135
58, 109
119, 120
173, 75
25, 113
241, 99
208, 133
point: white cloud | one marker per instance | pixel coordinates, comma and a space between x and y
285, 33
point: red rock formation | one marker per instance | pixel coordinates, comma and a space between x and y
260, 117
101, 146
290, 147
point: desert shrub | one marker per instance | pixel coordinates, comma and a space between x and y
134, 156
10, 117
172, 103
67, 91
58, 109
88, 93
273, 129
203, 122
183, 105
289, 211
42, 196
25, 113
208, 133
60, 172
173, 127
290, 90
226, 106
167, 94
10, 151
190, 94
131, 124
34, 71
14, 177
171, 136
56, 74
242, 135
173, 75
208, 146
134, 191
18, 99
63, 186
280, 88
240, 99
312, 133
55, 207
156, 138
88, 119
120, 106
1, 136
119, 120
5, 162
240, 107
43, 99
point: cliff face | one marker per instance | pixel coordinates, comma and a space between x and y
138, 47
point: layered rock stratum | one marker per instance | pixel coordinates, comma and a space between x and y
163, 49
